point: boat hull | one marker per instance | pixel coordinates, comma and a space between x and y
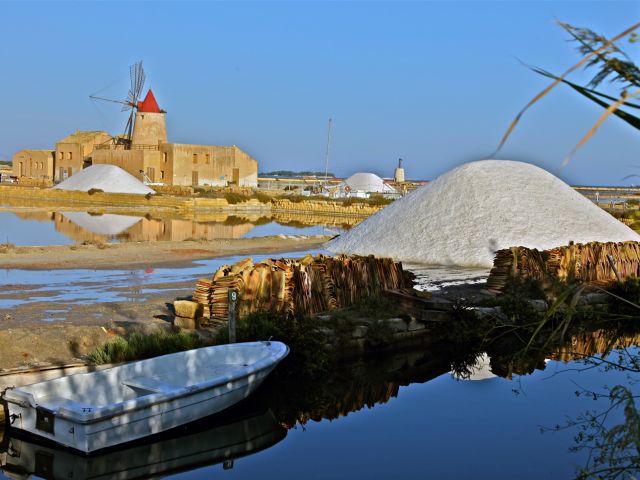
89, 429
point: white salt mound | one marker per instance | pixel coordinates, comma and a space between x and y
108, 178
367, 182
466, 215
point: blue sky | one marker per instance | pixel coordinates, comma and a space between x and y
435, 83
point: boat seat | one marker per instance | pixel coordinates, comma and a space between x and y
56, 402
146, 385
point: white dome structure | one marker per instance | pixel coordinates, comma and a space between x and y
467, 214
108, 178
368, 182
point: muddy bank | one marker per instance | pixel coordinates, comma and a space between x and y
147, 254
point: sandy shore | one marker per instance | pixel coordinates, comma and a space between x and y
63, 331
148, 254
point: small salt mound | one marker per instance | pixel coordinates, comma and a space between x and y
106, 224
466, 215
367, 182
108, 178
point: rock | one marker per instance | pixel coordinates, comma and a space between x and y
396, 325
186, 323
593, 298
326, 332
415, 325
187, 308
539, 305
359, 331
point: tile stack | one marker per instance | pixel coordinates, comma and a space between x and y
593, 262
298, 286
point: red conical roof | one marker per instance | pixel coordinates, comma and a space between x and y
149, 104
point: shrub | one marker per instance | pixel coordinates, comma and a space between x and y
234, 198
139, 346
307, 355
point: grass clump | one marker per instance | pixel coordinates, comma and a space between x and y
233, 198
263, 197
138, 346
626, 298
6, 247
308, 355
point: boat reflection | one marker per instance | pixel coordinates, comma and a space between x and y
194, 446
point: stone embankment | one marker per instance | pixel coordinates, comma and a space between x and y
325, 207
186, 203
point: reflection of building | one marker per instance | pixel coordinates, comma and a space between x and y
73, 153
150, 158
82, 227
34, 164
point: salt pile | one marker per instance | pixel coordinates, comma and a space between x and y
367, 182
108, 178
466, 215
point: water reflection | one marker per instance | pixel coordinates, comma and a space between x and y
196, 446
368, 383
33, 227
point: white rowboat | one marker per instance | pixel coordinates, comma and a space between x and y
97, 410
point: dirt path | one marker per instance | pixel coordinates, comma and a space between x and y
148, 254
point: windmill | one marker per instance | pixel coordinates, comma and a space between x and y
138, 77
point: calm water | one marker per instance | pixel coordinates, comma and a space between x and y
29, 228
91, 286
404, 416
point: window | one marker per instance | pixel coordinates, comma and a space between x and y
164, 157
195, 158
70, 155
161, 174
61, 155
207, 159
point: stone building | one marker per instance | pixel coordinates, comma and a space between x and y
152, 159
34, 164
73, 153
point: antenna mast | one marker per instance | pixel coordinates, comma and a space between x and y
326, 159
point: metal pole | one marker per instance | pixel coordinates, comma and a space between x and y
326, 161
233, 297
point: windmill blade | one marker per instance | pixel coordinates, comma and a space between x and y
138, 77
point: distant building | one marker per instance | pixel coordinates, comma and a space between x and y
148, 156
73, 153
151, 159
34, 164
398, 175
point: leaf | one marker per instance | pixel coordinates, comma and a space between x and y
591, 95
544, 92
612, 108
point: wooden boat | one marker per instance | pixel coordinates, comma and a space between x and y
97, 410
222, 442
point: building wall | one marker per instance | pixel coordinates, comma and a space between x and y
210, 165
248, 168
33, 164
132, 161
149, 129
70, 157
